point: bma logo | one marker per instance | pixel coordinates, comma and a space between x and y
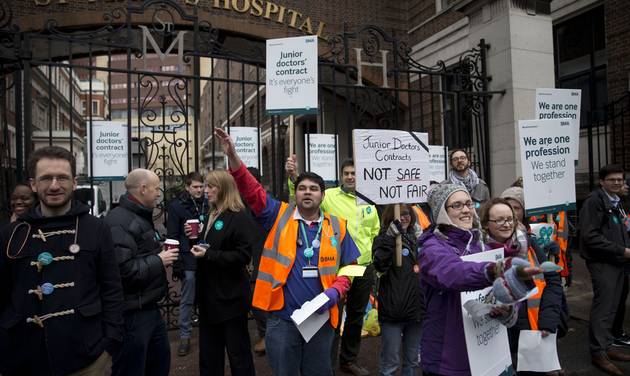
327, 259
163, 23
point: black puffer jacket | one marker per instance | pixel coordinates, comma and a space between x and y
137, 244
603, 236
400, 298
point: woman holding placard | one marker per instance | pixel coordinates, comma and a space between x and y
223, 294
400, 302
542, 311
444, 275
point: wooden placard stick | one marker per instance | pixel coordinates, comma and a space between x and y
398, 238
291, 134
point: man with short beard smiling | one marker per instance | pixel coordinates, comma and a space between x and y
60, 289
461, 174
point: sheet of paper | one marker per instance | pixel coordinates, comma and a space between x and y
537, 354
307, 320
352, 271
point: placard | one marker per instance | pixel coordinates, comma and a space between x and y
547, 165
246, 145
291, 81
438, 156
486, 340
109, 150
321, 157
391, 166
556, 104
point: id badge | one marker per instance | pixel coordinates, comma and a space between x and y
309, 272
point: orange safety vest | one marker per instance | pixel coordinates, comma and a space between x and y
422, 218
533, 303
278, 256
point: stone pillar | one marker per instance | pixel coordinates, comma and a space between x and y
520, 59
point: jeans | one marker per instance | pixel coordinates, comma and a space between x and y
356, 302
290, 355
391, 333
145, 348
186, 304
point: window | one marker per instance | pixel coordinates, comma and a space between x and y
580, 59
95, 106
84, 108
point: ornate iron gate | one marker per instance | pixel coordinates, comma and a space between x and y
175, 78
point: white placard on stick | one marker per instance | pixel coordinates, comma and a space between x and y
486, 340
547, 165
556, 104
391, 166
437, 162
246, 145
291, 70
109, 150
321, 157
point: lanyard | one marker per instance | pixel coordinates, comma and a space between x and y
202, 217
308, 251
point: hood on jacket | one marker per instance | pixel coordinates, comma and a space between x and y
35, 213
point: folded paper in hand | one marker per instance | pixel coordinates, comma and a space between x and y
307, 320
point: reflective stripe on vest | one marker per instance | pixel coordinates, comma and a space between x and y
279, 254
533, 303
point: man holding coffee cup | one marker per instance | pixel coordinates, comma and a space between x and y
142, 262
190, 207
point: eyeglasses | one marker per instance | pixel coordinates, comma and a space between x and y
502, 221
460, 205
613, 180
462, 158
48, 179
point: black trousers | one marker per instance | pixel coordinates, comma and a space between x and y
607, 282
215, 339
358, 297
617, 329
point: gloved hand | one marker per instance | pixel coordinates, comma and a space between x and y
394, 229
552, 249
333, 299
512, 282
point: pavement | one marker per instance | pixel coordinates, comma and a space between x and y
572, 349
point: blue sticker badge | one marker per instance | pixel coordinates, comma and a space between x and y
369, 209
333, 241
218, 225
615, 219
308, 253
405, 252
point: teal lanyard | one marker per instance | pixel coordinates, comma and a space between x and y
308, 251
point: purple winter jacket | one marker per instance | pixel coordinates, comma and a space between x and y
443, 275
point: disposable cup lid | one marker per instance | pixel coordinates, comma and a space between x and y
171, 241
192, 221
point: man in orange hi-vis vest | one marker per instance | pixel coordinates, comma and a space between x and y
301, 257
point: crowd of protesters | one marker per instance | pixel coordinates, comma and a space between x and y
79, 294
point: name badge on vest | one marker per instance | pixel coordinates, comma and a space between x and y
310, 272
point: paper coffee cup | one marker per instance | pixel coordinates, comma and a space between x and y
194, 226
171, 244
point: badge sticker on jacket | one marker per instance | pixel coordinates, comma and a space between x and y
368, 210
218, 225
405, 252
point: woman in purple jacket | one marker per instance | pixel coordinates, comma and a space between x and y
443, 276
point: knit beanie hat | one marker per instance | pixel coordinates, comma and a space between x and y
438, 196
515, 193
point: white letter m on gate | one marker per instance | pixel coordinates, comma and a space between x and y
146, 35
